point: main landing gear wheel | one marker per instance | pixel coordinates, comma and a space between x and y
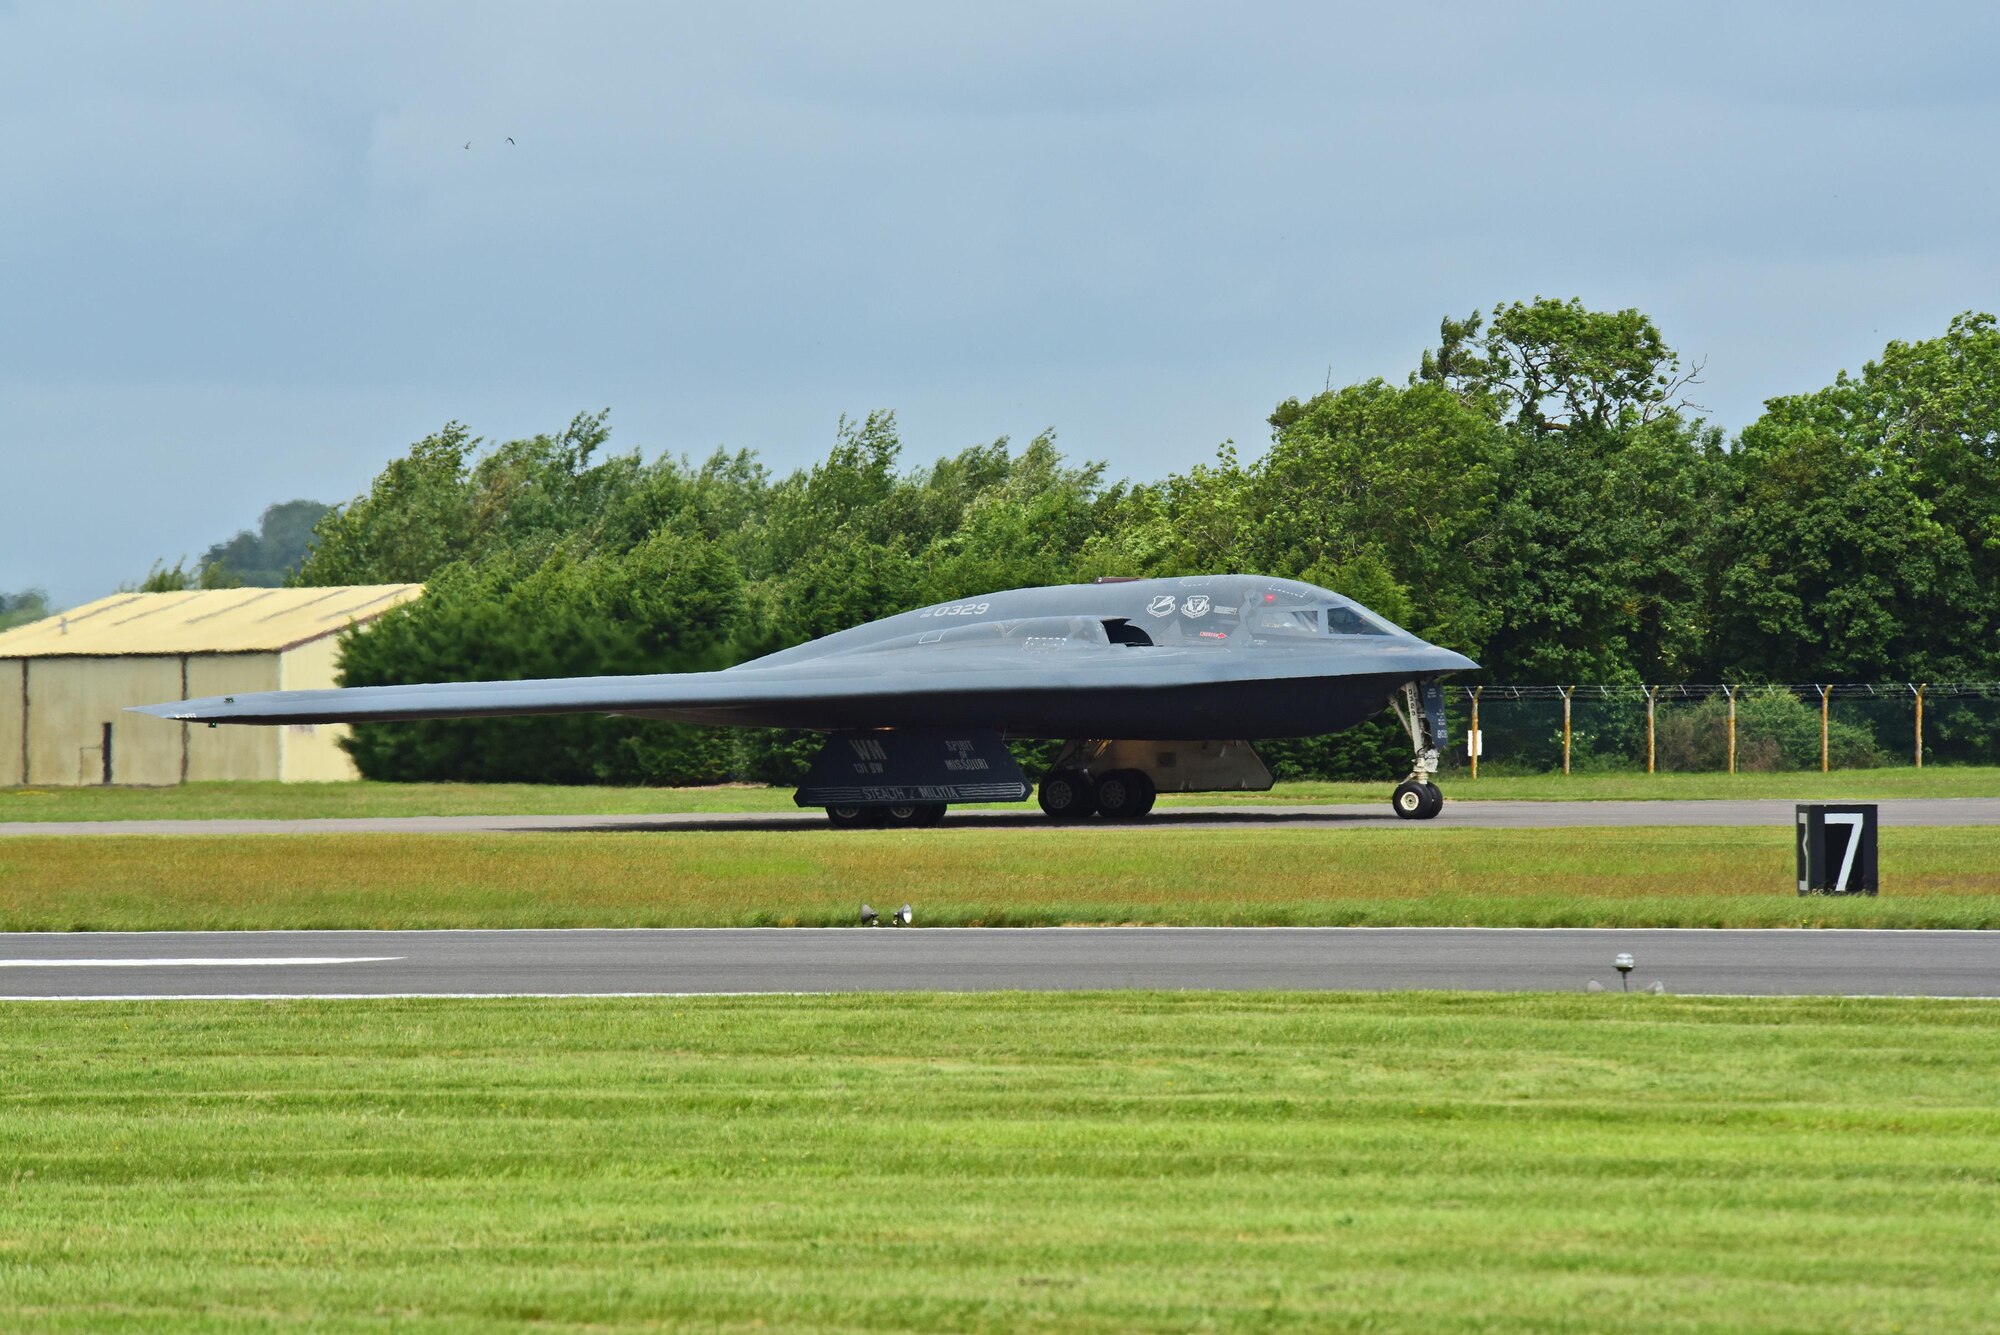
1124, 794
901, 816
1066, 795
1417, 801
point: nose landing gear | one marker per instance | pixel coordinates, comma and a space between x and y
1417, 801
1421, 711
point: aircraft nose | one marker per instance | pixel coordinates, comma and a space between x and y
1448, 660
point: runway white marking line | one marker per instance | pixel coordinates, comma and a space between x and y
905, 995
219, 962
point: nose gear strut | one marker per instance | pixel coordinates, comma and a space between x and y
1421, 712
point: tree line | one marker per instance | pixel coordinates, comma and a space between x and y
268, 558
1538, 493
17, 609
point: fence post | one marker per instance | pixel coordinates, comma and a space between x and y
1731, 692
1477, 740
1824, 700
1652, 693
1567, 692
1920, 723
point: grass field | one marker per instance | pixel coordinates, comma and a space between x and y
1050, 1163
1932, 877
297, 801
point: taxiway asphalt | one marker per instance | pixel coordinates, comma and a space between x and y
1468, 815
665, 961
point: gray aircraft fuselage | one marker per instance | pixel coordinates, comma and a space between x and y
1213, 656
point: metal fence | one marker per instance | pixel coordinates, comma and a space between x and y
1724, 727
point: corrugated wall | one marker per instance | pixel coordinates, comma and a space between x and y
242, 752
311, 751
70, 700
13, 752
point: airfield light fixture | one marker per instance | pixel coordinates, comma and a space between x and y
1624, 966
903, 916
869, 917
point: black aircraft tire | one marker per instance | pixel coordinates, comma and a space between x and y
1436, 801
850, 818
1124, 794
913, 815
1412, 801
1065, 795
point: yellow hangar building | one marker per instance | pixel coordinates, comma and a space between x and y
65, 683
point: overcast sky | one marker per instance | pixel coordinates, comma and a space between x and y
245, 255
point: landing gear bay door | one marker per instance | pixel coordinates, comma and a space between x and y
890, 768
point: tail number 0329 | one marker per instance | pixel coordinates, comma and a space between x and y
956, 610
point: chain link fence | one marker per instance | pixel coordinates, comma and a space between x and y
1724, 728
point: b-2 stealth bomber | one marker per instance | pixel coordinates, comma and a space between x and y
1153, 685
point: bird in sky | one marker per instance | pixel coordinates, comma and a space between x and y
468, 143
510, 138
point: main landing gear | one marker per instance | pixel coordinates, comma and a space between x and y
1119, 778
1421, 711
1122, 794
903, 816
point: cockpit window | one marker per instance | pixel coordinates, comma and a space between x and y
1352, 621
1081, 629
1284, 621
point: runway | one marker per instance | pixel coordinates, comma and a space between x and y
646, 961
1460, 815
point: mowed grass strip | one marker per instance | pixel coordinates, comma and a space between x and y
1230, 1162
306, 801
1421, 876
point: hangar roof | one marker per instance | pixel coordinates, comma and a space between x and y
203, 621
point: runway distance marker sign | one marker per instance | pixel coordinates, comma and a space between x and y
1837, 848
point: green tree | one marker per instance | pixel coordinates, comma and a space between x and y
1386, 489
1549, 365
175, 578
1829, 554
1919, 446
18, 609
269, 557
668, 605
1598, 557
416, 519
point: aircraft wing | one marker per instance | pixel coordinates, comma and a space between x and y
834, 692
